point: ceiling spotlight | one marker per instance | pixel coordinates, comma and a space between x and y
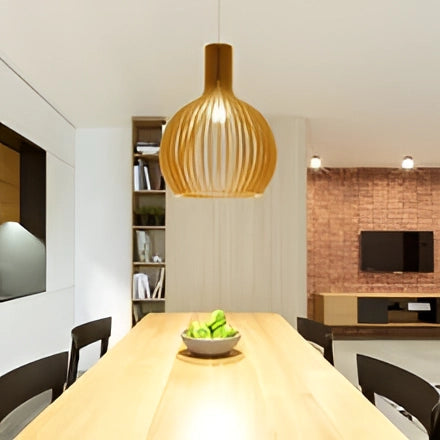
408, 163
315, 162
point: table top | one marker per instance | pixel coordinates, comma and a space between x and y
274, 386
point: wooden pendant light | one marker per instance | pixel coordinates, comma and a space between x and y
218, 145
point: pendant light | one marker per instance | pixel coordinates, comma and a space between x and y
217, 145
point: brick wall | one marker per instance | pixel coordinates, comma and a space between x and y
345, 201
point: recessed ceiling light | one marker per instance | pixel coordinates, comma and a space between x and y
408, 163
315, 162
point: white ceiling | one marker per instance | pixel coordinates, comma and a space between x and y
365, 74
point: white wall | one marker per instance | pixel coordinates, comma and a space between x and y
259, 266
39, 325
244, 254
103, 230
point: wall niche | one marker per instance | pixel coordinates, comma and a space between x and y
22, 216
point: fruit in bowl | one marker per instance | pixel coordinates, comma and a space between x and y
214, 337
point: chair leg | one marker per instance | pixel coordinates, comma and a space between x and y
104, 346
368, 394
73, 367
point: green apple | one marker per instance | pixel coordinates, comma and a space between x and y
216, 316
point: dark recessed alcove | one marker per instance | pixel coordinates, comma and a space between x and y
31, 199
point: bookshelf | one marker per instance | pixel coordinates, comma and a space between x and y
148, 225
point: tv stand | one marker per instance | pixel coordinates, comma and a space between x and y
372, 315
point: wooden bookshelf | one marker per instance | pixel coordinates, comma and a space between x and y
148, 211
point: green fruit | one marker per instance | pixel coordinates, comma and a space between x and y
217, 324
198, 330
219, 332
203, 332
229, 331
216, 327
216, 316
193, 326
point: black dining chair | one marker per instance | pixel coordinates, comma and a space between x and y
21, 384
418, 397
86, 334
318, 333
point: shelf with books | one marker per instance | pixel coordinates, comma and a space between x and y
147, 174
148, 264
148, 226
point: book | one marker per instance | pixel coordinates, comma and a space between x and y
141, 286
136, 177
143, 246
142, 181
146, 285
155, 174
147, 144
135, 287
147, 177
157, 292
150, 147
147, 150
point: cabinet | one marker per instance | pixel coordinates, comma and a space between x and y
400, 315
148, 225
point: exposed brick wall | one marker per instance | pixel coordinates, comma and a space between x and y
345, 201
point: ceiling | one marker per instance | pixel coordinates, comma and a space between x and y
365, 74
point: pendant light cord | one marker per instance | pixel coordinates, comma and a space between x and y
218, 20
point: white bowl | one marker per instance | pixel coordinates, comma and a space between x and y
210, 347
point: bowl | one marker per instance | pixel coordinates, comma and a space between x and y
210, 347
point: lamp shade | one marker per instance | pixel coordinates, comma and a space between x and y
218, 145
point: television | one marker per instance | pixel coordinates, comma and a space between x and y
397, 251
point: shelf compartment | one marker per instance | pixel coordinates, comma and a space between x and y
148, 264
154, 228
149, 192
146, 156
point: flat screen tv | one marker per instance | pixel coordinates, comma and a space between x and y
397, 251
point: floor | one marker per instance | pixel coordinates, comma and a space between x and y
14, 422
18, 419
418, 356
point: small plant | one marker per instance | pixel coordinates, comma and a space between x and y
151, 215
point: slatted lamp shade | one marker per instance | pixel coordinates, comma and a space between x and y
217, 145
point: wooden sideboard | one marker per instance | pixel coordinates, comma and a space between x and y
380, 315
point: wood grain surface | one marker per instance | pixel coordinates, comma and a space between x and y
274, 386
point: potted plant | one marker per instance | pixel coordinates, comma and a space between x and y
151, 215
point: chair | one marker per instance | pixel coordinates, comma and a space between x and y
414, 394
317, 333
86, 334
27, 381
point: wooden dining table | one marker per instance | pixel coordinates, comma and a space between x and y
273, 385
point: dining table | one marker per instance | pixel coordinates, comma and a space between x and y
272, 385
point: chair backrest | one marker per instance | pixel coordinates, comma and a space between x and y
21, 384
83, 335
317, 333
418, 397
